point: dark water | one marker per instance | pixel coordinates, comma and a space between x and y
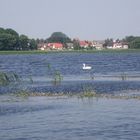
106, 75
43, 118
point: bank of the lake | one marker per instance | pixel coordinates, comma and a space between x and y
71, 51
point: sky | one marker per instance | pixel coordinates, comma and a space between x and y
83, 19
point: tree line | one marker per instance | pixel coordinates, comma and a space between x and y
62, 38
132, 41
58, 37
11, 40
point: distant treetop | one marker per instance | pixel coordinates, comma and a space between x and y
58, 37
11, 40
59, 34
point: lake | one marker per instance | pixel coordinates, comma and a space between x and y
110, 73
65, 117
41, 118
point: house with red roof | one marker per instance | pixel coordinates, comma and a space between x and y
50, 46
83, 44
55, 46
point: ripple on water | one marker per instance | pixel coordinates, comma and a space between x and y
71, 118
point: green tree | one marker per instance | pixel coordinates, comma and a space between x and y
59, 37
129, 39
8, 39
76, 45
24, 42
32, 44
135, 43
7, 42
12, 32
15, 35
108, 42
132, 41
2, 30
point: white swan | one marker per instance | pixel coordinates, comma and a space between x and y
86, 67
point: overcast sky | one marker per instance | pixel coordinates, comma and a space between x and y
85, 19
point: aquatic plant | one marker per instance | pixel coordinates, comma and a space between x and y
31, 79
54, 74
22, 93
4, 80
57, 78
8, 78
123, 76
49, 66
92, 76
88, 92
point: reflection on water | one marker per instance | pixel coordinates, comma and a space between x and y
69, 118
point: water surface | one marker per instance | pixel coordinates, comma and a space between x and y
64, 118
106, 76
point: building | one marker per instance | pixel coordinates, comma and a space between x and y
118, 45
42, 46
55, 46
70, 46
84, 44
97, 45
50, 46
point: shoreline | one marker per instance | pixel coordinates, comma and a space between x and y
71, 51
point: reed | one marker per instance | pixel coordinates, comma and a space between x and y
84, 95
31, 79
22, 94
123, 76
8, 78
88, 92
57, 78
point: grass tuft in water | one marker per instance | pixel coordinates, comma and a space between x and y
8, 78
57, 78
123, 76
84, 95
88, 92
22, 93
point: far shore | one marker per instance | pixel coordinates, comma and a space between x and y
71, 51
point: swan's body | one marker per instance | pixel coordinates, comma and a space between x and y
86, 67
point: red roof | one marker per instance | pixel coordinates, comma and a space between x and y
83, 43
55, 45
